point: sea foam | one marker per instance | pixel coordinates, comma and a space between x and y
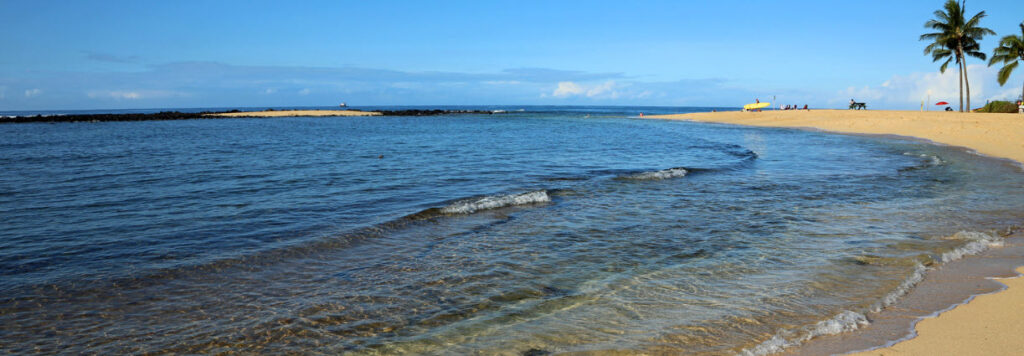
979, 242
932, 160
847, 321
470, 206
889, 299
659, 175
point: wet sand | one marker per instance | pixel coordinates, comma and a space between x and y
289, 113
988, 324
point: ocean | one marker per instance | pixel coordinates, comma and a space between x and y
533, 230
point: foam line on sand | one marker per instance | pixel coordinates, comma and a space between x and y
989, 324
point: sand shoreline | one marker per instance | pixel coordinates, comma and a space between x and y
291, 113
996, 135
989, 323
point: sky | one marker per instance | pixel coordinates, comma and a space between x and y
65, 55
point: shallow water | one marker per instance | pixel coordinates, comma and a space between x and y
552, 230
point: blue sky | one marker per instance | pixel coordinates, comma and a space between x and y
164, 54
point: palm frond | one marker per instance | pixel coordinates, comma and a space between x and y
976, 54
1004, 73
999, 58
929, 36
933, 47
940, 54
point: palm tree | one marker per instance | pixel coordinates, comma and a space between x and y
1011, 49
956, 38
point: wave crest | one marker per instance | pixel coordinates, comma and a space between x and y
843, 322
659, 175
470, 206
847, 321
931, 160
916, 277
979, 242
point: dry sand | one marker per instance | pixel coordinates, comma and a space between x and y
991, 324
283, 113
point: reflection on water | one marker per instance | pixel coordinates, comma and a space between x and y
490, 235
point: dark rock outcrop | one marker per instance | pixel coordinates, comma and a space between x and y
177, 115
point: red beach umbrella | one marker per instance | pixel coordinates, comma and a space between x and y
942, 103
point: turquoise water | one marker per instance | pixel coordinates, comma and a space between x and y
543, 230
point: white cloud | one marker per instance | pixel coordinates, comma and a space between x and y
33, 92
113, 94
305, 91
502, 82
566, 89
132, 94
269, 91
606, 90
907, 91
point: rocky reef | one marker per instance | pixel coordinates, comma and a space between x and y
205, 115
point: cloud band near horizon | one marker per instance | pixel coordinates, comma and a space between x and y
212, 84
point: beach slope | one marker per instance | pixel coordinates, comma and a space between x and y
990, 324
997, 135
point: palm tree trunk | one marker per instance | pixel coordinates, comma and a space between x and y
967, 87
960, 67
960, 60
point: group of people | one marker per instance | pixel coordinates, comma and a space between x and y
781, 107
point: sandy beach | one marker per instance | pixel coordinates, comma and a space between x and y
989, 324
997, 135
288, 113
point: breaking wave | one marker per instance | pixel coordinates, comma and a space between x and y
930, 160
979, 242
659, 175
927, 161
847, 321
470, 206
902, 289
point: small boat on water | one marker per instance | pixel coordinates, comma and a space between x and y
343, 105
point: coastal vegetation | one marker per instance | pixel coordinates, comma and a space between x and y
956, 38
998, 106
1010, 52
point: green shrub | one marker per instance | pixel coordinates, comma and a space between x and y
999, 106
